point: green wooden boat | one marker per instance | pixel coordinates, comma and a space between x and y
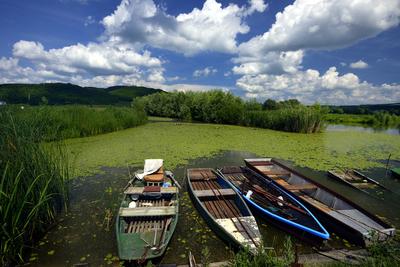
147, 217
396, 173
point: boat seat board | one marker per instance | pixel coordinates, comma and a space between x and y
139, 190
282, 183
306, 186
147, 211
212, 193
356, 220
315, 203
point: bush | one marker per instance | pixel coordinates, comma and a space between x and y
225, 108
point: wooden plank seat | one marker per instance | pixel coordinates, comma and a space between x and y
218, 192
140, 190
282, 182
147, 211
307, 186
315, 203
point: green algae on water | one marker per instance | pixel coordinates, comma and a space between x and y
176, 143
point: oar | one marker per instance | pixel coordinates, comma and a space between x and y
171, 175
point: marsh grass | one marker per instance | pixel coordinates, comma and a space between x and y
265, 258
61, 122
33, 185
300, 120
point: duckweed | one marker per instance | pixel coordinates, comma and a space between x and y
178, 143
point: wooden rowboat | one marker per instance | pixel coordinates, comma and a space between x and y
147, 217
223, 209
354, 179
339, 214
275, 204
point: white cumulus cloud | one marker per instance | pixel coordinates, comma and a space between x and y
212, 28
205, 72
310, 86
359, 65
325, 24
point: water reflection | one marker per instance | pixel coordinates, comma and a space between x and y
342, 127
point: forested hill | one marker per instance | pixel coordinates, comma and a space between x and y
66, 93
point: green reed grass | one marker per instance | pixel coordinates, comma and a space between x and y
300, 120
56, 122
265, 258
33, 185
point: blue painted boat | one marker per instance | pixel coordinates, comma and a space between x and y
275, 204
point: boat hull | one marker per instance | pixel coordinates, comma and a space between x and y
217, 224
333, 224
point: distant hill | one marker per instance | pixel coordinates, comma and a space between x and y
66, 93
393, 108
129, 92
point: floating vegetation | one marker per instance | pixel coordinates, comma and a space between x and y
177, 143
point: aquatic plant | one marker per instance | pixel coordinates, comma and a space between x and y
60, 122
300, 119
265, 258
33, 185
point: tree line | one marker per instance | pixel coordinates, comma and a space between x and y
224, 108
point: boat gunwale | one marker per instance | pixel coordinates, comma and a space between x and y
172, 226
369, 214
213, 219
324, 234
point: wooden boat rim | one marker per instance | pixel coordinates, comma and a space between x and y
322, 234
208, 213
372, 216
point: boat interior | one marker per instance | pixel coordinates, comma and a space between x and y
268, 196
215, 194
319, 198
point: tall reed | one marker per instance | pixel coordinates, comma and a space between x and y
33, 185
56, 122
300, 120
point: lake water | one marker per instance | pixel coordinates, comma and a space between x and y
86, 232
342, 127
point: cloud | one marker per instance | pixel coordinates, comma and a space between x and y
89, 20
97, 64
271, 62
359, 65
93, 58
310, 86
205, 72
325, 24
212, 28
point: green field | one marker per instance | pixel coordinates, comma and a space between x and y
176, 143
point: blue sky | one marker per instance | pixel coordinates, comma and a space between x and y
336, 52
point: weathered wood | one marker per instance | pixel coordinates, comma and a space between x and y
315, 203
210, 193
147, 211
300, 186
139, 190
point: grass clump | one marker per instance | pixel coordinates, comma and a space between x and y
61, 122
264, 258
33, 185
300, 120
